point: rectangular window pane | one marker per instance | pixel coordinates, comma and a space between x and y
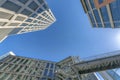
11, 6
52, 65
2, 23
20, 18
40, 10
40, 1
23, 1
4, 15
47, 66
33, 6
26, 12
14, 24
45, 72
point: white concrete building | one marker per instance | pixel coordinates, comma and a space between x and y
21, 16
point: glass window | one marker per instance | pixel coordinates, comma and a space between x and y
44, 14
107, 24
29, 20
113, 74
33, 5
20, 18
104, 14
52, 66
11, 6
40, 1
26, 12
47, 66
45, 72
92, 19
51, 73
39, 17
23, 1
97, 16
15, 31
31, 25
4, 15
34, 15
45, 6
99, 25
115, 10
40, 10
92, 4
87, 5
24, 24
117, 24
14, 24
34, 21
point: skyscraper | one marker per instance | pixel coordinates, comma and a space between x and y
103, 13
21, 16
14, 67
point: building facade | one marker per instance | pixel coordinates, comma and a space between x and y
21, 16
14, 67
21, 68
65, 71
103, 13
110, 74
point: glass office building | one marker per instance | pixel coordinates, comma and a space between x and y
14, 67
103, 13
21, 16
109, 74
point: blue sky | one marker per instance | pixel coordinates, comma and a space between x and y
70, 35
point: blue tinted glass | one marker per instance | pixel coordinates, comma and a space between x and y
115, 10
39, 17
99, 25
97, 16
40, 1
45, 6
24, 24
92, 4
92, 19
45, 72
117, 24
30, 24
50, 73
29, 20
33, 5
113, 74
15, 31
105, 17
40, 10
23, 1
52, 65
11, 6
26, 12
87, 5
104, 14
34, 15
94, 25
100, 1
107, 25
47, 66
